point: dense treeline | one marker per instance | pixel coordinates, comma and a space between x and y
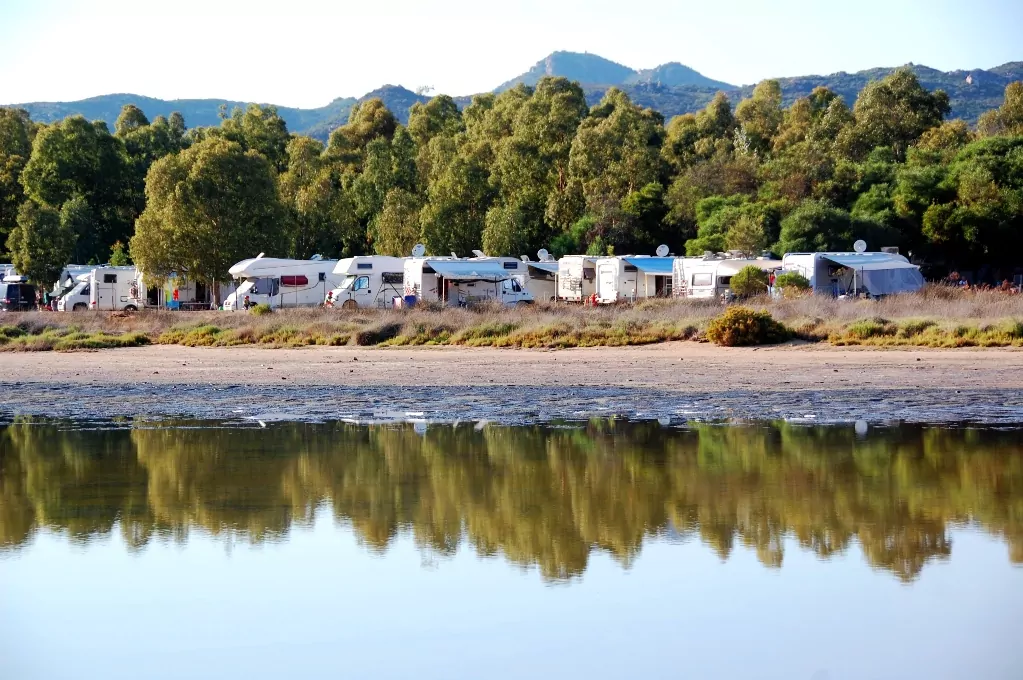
539, 497
515, 172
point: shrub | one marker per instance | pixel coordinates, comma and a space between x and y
750, 280
741, 326
262, 309
871, 328
793, 280
378, 334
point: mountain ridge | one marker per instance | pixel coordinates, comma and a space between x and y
971, 92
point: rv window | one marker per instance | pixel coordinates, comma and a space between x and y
361, 283
299, 280
364, 265
393, 277
511, 265
515, 286
630, 268
589, 273
110, 278
347, 283
700, 280
724, 280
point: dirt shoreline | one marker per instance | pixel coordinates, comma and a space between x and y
684, 367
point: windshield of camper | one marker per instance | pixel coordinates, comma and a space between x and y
246, 286
347, 283
81, 288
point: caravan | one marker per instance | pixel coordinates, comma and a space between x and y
367, 281
116, 289
710, 276
454, 281
281, 282
840, 274
577, 277
633, 277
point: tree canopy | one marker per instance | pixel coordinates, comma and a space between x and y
535, 167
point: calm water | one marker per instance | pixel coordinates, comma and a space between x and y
602, 550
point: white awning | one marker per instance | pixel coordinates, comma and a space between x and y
550, 267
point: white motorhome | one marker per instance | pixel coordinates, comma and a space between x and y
710, 276
116, 289
838, 274
577, 277
462, 282
280, 282
633, 277
367, 281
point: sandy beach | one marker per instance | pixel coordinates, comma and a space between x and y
685, 367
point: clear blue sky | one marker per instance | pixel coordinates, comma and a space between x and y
307, 52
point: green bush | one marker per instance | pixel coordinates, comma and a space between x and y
750, 280
793, 280
262, 309
741, 326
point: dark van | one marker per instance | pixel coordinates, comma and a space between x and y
17, 297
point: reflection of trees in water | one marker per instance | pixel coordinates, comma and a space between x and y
537, 496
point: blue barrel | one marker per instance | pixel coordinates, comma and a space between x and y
410, 300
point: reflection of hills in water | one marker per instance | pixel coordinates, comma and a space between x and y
539, 496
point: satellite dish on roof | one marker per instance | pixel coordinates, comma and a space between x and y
662, 250
418, 250
860, 246
543, 254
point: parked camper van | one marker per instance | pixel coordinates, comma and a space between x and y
875, 274
367, 281
116, 288
710, 276
577, 277
467, 281
77, 299
633, 277
281, 282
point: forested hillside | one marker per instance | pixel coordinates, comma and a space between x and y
671, 89
513, 172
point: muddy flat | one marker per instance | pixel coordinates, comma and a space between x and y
684, 367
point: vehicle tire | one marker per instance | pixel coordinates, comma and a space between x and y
350, 304
131, 308
79, 307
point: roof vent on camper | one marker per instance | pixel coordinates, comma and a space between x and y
454, 255
260, 255
418, 250
524, 258
316, 258
891, 250
478, 253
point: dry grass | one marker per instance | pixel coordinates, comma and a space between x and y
935, 317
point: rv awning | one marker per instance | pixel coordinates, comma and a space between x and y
550, 267
467, 270
652, 265
859, 264
883, 276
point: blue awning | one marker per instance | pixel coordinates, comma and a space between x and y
469, 270
652, 265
